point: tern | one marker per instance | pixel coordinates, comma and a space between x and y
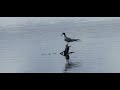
67, 39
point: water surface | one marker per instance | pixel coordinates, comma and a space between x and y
34, 44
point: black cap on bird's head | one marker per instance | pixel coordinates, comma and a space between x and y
63, 33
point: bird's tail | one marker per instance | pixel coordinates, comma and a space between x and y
76, 39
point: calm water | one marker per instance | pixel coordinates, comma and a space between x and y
34, 45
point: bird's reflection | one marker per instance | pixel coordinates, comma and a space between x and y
66, 53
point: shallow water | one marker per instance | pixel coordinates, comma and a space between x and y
34, 45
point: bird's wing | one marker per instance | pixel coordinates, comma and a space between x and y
68, 39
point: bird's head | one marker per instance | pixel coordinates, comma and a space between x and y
63, 33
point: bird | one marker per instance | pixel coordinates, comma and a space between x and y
67, 39
66, 53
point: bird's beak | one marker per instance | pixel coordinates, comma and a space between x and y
62, 34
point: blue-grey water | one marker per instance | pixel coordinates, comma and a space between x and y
33, 44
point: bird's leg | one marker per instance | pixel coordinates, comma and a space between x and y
67, 42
